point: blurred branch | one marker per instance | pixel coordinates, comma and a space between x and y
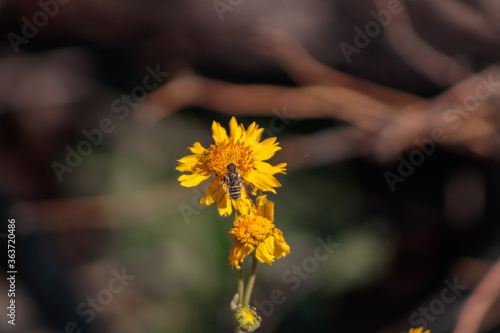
103, 211
260, 100
428, 61
480, 302
322, 148
306, 70
468, 122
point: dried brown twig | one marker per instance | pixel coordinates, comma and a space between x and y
482, 299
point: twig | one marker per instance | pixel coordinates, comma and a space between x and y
480, 302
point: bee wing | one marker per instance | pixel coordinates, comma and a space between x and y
222, 194
250, 188
216, 192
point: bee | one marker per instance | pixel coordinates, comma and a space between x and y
235, 182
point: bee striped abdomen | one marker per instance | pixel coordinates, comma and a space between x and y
233, 182
234, 191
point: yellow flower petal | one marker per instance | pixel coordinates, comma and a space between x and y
198, 149
189, 159
246, 249
261, 202
264, 251
278, 235
252, 135
281, 248
268, 168
193, 164
193, 179
269, 212
266, 149
234, 255
218, 132
265, 207
235, 131
238, 252
263, 181
243, 205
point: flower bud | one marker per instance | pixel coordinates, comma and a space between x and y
246, 318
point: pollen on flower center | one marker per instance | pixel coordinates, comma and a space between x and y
220, 155
251, 229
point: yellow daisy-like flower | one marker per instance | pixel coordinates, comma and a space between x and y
254, 230
418, 330
242, 148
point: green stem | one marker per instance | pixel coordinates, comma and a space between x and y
241, 280
251, 281
241, 272
241, 285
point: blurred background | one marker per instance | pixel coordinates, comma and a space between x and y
387, 112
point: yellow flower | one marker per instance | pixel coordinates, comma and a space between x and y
254, 230
242, 148
418, 330
246, 318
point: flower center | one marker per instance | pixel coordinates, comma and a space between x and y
220, 155
251, 229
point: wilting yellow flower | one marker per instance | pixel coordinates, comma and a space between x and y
246, 318
254, 230
242, 148
418, 330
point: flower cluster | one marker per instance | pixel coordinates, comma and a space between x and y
237, 164
254, 231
